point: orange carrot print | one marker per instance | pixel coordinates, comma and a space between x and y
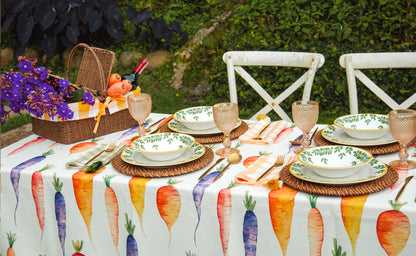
38, 197
224, 215
168, 203
82, 183
83, 146
315, 228
137, 188
111, 206
11, 238
351, 212
393, 229
281, 203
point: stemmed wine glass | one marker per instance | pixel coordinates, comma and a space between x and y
140, 107
402, 125
305, 115
225, 118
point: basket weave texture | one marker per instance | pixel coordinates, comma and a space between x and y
93, 75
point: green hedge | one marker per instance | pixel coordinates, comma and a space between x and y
332, 28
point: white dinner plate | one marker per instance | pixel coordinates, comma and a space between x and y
135, 157
337, 135
176, 126
371, 171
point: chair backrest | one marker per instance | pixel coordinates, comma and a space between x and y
353, 62
236, 59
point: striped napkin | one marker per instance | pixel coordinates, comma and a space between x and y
105, 157
262, 164
268, 135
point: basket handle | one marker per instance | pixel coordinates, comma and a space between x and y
100, 68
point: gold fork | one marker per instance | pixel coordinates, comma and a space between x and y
279, 162
258, 137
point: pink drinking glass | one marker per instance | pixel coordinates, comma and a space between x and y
140, 107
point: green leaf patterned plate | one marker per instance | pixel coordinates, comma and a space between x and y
134, 157
177, 126
337, 135
371, 171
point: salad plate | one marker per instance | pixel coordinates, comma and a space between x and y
135, 157
337, 135
177, 126
371, 171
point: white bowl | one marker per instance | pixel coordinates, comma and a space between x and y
196, 118
364, 126
335, 161
163, 146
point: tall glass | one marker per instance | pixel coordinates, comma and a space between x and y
225, 118
140, 108
402, 125
305, 115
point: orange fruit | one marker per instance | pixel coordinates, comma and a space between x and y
114, 78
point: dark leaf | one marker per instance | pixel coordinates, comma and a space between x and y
59, 5
60, 24
19, 49
45, 15
158, 26
113, 31
85, 12
97, 3
23, 5
175, 26
74, 17
145, 36
184, 36
95, 21
65, 41
7, 6
8, 20
25, 24
154, 45
115, 17
72, 34
167, 37
49, 44
75, 3
138, 17
131, 12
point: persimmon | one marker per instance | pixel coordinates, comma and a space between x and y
114, 78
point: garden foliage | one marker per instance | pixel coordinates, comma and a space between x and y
331, 28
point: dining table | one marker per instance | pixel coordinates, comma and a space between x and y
52, 206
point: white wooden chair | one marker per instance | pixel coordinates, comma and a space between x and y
353, 62
236, 59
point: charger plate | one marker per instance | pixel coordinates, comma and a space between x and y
375, 150
342, 190
145, 172
215, 138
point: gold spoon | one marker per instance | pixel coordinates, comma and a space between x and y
210, 168
233, 158
109, 148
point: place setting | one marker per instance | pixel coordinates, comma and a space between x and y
338, 169
368, 131
199, 122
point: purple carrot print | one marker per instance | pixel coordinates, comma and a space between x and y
131, 244
198, 193
15, 174
60, 211
250, 227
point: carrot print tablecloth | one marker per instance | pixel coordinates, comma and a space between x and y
48, 209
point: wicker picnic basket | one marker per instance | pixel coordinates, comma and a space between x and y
93, 75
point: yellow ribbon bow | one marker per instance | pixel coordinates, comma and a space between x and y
103, 106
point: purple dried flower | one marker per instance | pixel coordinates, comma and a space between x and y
63, 83
25, 66
87, 97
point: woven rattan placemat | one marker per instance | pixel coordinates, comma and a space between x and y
339, 190
216, 138
376, 150
141, 171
